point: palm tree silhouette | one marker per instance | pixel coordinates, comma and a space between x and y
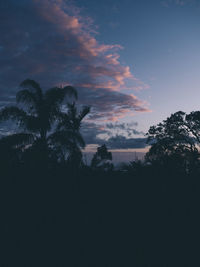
37, 116
67, 137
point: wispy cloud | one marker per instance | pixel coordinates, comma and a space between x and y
51, 42
167, 3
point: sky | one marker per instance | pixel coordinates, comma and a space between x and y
133, 61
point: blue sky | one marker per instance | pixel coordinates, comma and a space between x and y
161, 43
134, 61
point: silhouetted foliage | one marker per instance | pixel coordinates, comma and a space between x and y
102, 159
134, 167
175, 141
143, 214
47, 129
67, 138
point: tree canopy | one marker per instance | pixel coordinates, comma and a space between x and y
44, 128
176, 139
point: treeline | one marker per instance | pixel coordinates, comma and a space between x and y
57, 211
48, 135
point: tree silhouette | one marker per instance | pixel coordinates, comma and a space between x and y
175, 140
102, 159
67, 138
36, 115
134, 166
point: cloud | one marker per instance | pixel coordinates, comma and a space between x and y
127, 128
90, 132
109, 105
114, 135
121, 142
50, 41
167, 3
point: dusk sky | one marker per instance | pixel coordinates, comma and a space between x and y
133, 61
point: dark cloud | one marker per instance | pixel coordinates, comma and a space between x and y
90, 131
121, 142
50, 41
95, 134
121, 125
109, 105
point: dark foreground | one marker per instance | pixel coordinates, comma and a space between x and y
55, 218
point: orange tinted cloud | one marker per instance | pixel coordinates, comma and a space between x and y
53, 44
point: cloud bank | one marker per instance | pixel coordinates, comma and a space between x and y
114, 135
50, 41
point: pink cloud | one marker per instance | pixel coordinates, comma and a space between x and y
53, 44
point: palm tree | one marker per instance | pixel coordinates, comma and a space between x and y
37, 115
67, 138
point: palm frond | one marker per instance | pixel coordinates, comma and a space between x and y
13, 113
33, 124
27, 97
31, 84
17, 140
60, 138
67, 138
79, 139
84, 112
56, 95
70, 91
64, 121
72, 110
